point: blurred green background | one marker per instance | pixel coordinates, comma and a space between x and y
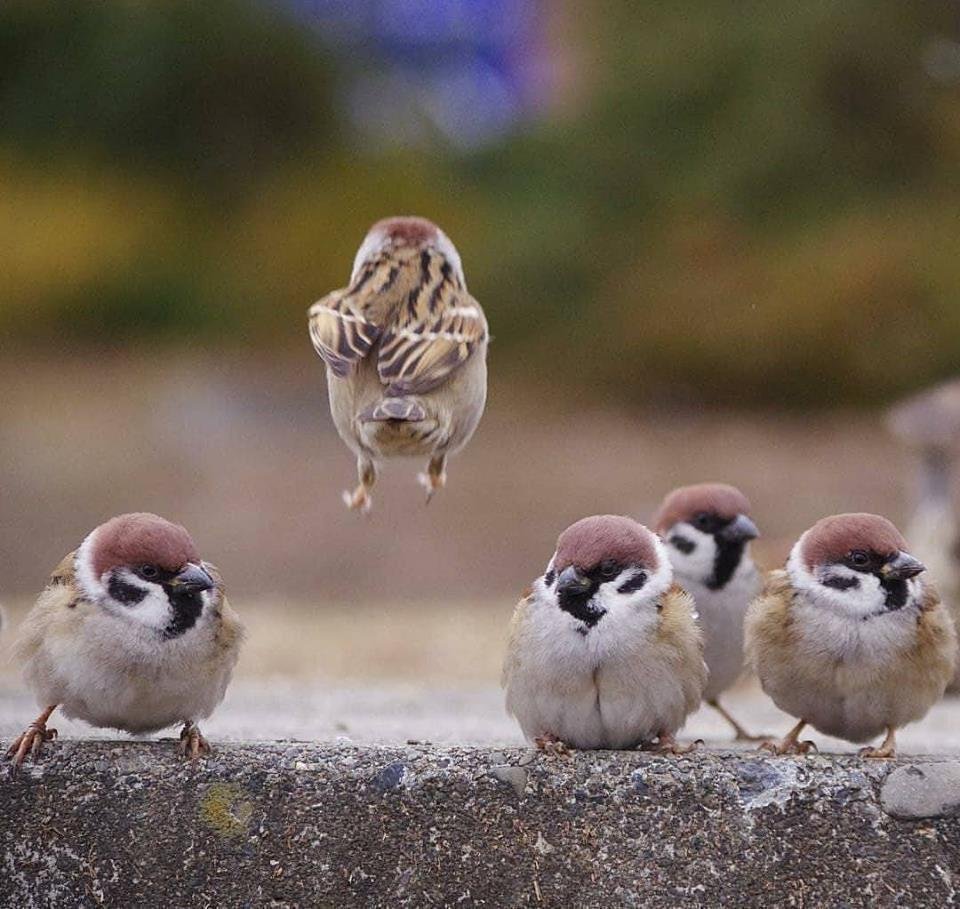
713, 241
750, 202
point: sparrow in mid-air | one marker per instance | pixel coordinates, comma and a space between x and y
132, 632
604, 650
848, 638
707, 530
405, 346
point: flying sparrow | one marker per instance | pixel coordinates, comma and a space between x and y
848, 638
604, 650
707, 531
132, 632
405, 347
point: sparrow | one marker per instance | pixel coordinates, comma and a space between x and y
848, 638
929, 425
405, 348
604, 650
707, 531
133, 632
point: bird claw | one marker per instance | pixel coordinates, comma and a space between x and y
431, 482
789, 747
881, 753
358, 500
667, 744
551, 746
30, 742
192, 743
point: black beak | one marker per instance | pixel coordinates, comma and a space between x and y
739, 530
572, 582
902, 566
193, 579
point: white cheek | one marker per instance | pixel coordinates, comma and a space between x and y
864, 599
867, 598
696, 565
153, 611
640, 605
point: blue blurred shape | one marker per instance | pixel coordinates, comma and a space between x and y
463, 70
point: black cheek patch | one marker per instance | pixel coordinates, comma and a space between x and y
838, 583
549, 578
632, 584
122, 592
682, 543
186, 610
896, 594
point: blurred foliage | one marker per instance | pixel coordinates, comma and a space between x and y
742, 202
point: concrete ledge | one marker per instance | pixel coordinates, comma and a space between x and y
128, 824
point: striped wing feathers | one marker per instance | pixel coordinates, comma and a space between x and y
344, 324
435, 332
416, 306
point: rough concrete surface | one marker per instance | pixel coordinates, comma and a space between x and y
284, 824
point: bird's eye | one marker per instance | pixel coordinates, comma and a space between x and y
702, 521
859, 558
609, 569
148, 571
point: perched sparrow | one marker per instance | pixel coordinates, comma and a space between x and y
405, 347
604, 650
707, 531
132, 632
929, 424
847, 638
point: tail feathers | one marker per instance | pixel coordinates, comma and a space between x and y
409, 410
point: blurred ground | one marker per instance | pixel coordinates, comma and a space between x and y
239, 448
427, 673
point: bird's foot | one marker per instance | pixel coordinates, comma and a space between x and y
789, 746
550, 745
192, 743
31, 742
743, 736
431, 482
358, 500
881, 753
667, 744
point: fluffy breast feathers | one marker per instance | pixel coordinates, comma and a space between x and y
772, 638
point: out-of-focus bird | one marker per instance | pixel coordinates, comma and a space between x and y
132, 632
405, 346
848, 638
604, 650
929, 424
707, 530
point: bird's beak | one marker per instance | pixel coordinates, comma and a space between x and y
739, 530
902, 566
571, 581
193, 579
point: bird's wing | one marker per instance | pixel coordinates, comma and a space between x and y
345, 324
435, 332
517, 622
64, 572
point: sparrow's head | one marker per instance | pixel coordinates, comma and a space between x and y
607, 565
406, 232
145, 570
707, 528
857, 565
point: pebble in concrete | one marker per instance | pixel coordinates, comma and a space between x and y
922, 790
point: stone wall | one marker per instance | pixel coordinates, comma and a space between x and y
129, 824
